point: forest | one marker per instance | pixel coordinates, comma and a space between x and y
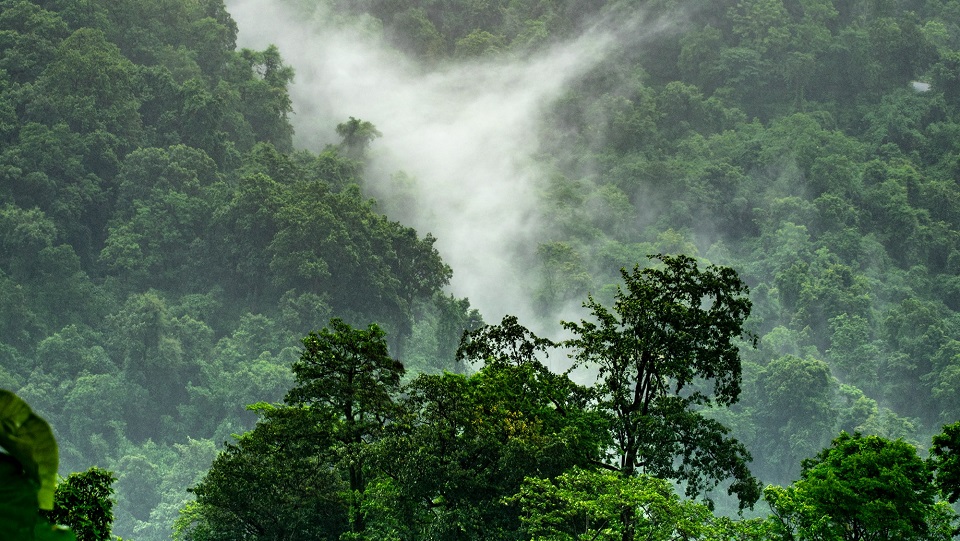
712, 292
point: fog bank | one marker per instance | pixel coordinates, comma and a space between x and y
462, 135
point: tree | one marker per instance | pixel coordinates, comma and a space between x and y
275, 483
671, 333
357, 135
417, 272
861, 488
794, 414
466, 442
91, 86
29, 38
83, 501
265, 102
348, 374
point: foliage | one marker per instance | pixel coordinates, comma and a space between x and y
163, 247
84, 502
28, 469
357, 135
672, 335
466, 442
275, 482
347, 374
861, 487
584, 504
29, 440
945, 459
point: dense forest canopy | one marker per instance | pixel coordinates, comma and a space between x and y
168, 239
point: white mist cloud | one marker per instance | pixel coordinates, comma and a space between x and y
464, 132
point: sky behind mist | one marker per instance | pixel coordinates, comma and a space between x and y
464, 134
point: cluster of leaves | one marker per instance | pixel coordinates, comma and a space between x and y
162, 248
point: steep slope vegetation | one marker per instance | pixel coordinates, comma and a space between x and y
163, 247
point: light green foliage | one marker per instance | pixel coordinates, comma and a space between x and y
861, 487
588, 505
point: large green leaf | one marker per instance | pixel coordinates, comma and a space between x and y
29, 439
18, 500
19, 520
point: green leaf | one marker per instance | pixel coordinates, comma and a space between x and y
44, 531
18, 502
29, 439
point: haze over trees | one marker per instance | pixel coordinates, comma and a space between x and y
166, 245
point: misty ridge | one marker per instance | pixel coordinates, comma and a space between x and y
193, 244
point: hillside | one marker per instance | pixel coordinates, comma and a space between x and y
178, 212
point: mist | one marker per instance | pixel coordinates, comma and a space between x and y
457, 140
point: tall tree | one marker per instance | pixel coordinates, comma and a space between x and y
348, 373
672, 333
357, 135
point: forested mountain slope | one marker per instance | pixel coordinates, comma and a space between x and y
811, 145
165, 247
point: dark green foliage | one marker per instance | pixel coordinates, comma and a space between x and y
670, 346
162, 248
945, 459
348, 375
84, 502
350, 372
431, 460
468, 442
275, 482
